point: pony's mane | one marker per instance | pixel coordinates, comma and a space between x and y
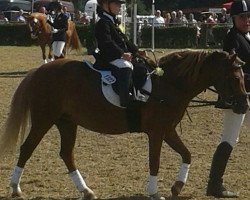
42, 19
189, 63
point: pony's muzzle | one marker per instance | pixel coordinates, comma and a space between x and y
241, 103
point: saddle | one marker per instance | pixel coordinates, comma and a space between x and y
109, 83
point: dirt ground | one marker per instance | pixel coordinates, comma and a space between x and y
116, 167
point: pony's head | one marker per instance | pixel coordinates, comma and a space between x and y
230, 82
36, 23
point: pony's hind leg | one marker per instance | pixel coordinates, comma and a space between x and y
35, 136
174, 141
68, 131
50, 56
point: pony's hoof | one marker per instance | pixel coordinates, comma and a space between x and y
15, 191
88, 195
176, 188
156, 196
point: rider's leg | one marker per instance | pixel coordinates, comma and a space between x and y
231, 129
57, 47
124, 79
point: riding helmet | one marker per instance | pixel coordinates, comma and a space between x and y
240, 7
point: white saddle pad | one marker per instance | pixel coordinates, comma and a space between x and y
108, 79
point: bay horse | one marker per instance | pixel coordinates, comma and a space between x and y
41, 30
67, 93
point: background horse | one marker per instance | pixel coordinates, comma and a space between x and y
41, 31
67, 93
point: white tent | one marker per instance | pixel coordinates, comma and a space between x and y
90, 8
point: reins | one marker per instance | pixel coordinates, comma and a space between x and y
203, 102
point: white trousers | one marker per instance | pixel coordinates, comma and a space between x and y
232, 124
57, 47
121, 63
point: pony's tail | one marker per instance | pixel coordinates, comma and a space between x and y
75, 43
16, 122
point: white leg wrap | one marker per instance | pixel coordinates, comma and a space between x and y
152, 185
78, 181
231, 127
16, 175
183, 173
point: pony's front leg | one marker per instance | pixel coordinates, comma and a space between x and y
43, 48
15, 182
174, 141
155, 144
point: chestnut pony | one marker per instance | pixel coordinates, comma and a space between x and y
67, 93
40, 30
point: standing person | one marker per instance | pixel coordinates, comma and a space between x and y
167, 19
44, 11
158, 19
237, 40
65, 11
20, 18
223, 17
60, 26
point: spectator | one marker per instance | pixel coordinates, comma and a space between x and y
78, 16
167, 19
20, 18
158, 19
145, 23
3, 19
211, 21
65, 11
192, 21
44, 11
84, 18
173, 20
224, 18
181, 19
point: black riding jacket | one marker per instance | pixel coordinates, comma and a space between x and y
60, 23
111, 42
240, 43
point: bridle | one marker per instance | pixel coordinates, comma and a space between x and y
35, 28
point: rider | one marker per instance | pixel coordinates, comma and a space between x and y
60, 26
114, 46
236, 41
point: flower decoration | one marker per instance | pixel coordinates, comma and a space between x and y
158, 71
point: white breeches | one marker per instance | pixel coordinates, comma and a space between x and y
57, 47
121, 63
232, 124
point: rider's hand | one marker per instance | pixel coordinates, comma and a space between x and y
54, 31
127, 56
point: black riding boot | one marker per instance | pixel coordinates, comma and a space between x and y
215, 184
132, 107
125, 83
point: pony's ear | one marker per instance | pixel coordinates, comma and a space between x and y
142, 53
